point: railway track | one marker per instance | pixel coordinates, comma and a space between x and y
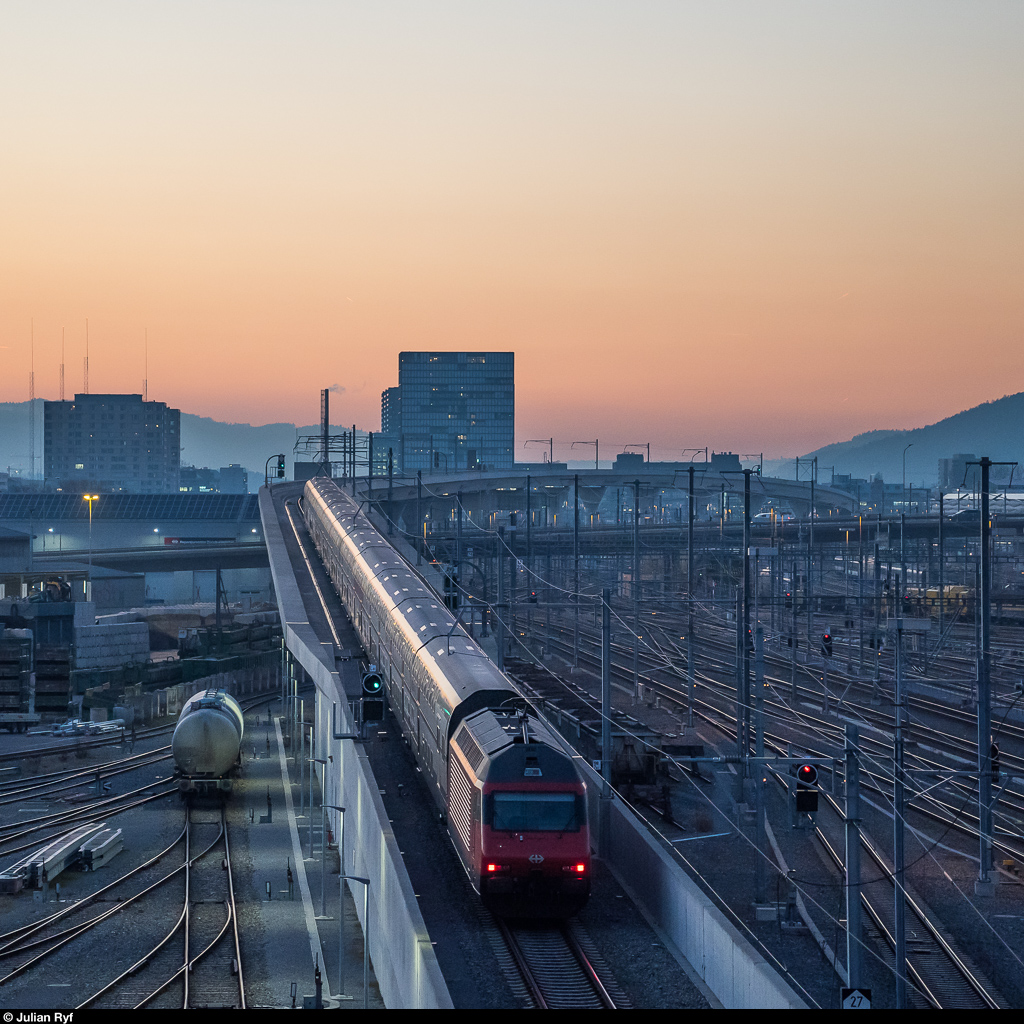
192, 957
825, 739
29, 833
28, 946
196, 963
940, 975
555, 968
53, 784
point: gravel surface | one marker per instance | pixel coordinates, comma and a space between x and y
70, 974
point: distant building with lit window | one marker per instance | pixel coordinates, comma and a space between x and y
452, 410
111, 443
391, 411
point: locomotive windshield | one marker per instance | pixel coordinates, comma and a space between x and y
535, 812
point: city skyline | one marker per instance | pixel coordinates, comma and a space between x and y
703, 224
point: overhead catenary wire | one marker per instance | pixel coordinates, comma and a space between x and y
655, 647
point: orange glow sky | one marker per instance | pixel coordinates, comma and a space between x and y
757, 227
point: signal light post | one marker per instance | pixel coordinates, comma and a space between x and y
826, 652
280, 468
806, 789
372, 703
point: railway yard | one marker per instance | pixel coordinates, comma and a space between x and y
209, 884
221, 889
962, 947
236, 902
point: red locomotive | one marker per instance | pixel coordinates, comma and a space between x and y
517, 815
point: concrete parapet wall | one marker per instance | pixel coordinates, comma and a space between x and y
738, 975
404, 962
403, 959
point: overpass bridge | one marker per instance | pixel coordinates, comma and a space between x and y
178, 541
62, 522
549, 491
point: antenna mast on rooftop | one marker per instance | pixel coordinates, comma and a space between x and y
32, 404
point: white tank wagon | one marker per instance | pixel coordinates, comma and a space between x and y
206, 741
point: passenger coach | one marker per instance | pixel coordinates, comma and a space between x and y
517, 816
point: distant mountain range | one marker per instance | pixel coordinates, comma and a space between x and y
995, 429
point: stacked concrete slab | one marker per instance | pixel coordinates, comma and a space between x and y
53, 678
17, 684
111, 646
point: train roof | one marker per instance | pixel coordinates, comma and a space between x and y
510, 746
458, 665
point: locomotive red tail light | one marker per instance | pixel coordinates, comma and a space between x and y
576, 869
497, 869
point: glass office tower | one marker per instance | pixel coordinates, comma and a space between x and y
453, 410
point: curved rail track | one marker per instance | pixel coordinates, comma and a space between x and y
941, 976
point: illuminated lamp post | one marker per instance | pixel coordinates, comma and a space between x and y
90, 498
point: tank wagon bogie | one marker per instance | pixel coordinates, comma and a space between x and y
448, 697
207, 740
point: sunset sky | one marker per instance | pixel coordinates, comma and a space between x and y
756, 226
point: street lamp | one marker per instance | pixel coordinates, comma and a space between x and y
341, 905
366, 931
323, 828
90, 498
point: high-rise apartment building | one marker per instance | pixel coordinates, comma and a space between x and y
391, 411
111, 443
453, 410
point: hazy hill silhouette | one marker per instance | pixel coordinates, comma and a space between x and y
995, 429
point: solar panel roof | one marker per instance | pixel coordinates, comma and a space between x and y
170, 507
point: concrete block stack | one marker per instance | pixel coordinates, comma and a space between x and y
111, 646
53, 678
17, 684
